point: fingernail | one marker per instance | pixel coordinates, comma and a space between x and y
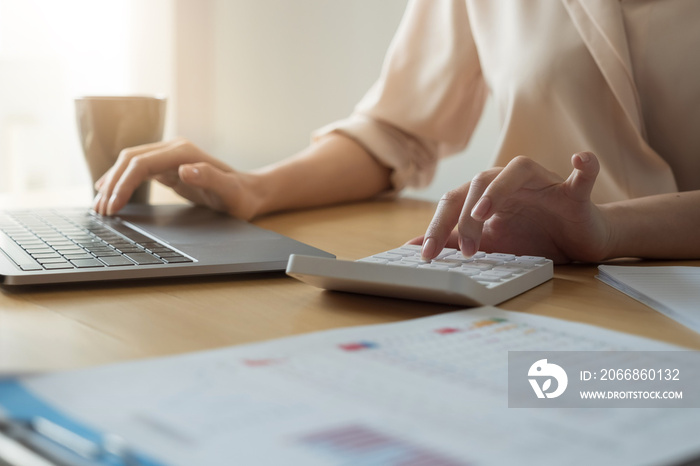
192, 172
481, 209
96, 201
584, 157
467, 247
110, 204
429, 249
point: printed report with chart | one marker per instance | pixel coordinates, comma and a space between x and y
433, 389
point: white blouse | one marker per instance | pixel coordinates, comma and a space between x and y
618, 78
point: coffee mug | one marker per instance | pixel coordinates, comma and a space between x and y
109, 124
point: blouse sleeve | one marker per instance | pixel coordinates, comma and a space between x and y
429, 96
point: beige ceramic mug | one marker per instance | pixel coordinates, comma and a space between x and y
108, 124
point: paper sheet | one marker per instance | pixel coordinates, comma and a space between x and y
425, 391
673, 291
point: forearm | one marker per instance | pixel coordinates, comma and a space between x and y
333, 170
665, 226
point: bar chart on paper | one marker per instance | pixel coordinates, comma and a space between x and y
356, 444
425, 391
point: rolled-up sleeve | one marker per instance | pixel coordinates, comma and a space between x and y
429, 96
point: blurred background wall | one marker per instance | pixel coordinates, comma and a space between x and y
247, 80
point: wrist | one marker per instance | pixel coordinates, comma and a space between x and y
614, 221
255, 195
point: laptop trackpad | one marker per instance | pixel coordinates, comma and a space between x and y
191, 225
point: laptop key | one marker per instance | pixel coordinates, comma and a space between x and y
58, 244
168, 253
39, 250
17, 254
106, 253
130, 249
72, 257
86, 263
75, 250
58, 266
52, 260
176, 260
47, 255
116, 261
143, 258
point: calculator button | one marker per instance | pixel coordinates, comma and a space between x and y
502, 257
491, 262
404, 252
478, 267
415, 260
374, 260
486, 278
467, 272
446, 252
433, 267
510, 268
497, 273
446, 263
388, 257
403, 264
458, 258
532, 259
522, 264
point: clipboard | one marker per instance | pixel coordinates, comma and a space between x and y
33, 433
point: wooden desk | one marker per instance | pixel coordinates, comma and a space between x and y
72, 326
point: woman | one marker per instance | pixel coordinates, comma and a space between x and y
614, 83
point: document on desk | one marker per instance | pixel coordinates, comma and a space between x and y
427, 391
673, 291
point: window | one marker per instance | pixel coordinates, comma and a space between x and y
51, 52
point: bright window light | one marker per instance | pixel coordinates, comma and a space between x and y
50, 52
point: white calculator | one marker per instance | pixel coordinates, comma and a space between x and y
483, 279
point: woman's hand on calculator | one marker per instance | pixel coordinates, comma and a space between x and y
523, 209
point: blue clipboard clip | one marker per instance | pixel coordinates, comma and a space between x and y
42, 441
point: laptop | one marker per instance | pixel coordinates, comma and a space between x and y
143, 241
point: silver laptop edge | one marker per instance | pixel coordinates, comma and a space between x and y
215, 243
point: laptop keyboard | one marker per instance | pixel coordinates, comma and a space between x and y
54, 240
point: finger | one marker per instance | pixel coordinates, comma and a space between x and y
150, 164
469, 229
145, 165
447, 215
582, 178
114, 174
452, 240
99, 182
443, 221
521, 172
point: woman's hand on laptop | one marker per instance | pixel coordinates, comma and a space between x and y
182, 166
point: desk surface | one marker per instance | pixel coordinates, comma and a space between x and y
72, 326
